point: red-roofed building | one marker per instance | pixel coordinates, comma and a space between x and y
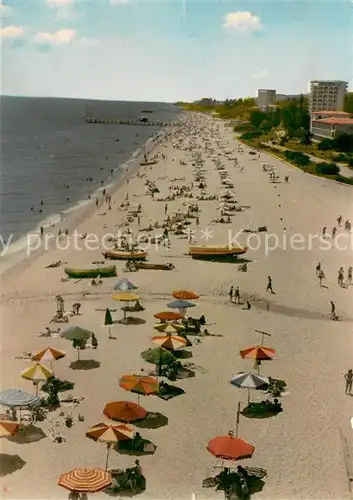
327, 124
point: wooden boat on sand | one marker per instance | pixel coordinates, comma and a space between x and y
150, 162
216, 252
125, 255
91, 272
157, 267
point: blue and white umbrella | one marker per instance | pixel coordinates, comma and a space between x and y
180, 304
249, 381
14, 398
124, 285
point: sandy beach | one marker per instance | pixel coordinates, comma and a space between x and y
301, 448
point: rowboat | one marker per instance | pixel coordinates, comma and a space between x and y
125, 255
213, 252
146, 163
157, 267
91, 272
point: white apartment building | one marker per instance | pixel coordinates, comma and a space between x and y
327, 95
265, 98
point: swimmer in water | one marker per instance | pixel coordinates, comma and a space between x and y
41, 202
67, 198
32, 208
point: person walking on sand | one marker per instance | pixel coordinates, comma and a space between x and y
318, 268
333, 308
321, 276
349, 381
230, 294
340, 277
349, 275
339, 220
334, 231
269, 285
324, 232
166, 209
237, 295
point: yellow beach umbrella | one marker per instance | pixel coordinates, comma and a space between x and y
168, 328
37, 373
110, 434
125, 297
172, 342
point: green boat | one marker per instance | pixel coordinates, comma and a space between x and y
91, 272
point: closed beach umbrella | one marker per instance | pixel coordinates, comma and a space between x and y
125, 297
182, 305
124, 285
8, 428
124, 411
37, 373
172, 342
139, 384
249, 381
110, 434
230, 448
15, 398
168, 328
185, 295
168, 316
85, 480
108, 320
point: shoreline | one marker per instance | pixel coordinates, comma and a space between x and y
19, 260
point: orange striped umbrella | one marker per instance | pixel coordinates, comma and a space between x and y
139, 384
110, 434
48, 354
168, 316
169, 341
85, 480
8, 428
258, 352
124, 411
185, 295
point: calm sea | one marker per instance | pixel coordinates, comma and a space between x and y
49, 152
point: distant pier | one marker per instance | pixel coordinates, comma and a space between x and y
139, 123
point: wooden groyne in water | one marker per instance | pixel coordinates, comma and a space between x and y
113, 121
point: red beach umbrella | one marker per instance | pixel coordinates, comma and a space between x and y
185, 295
124, 411
258, 352
230, 448
168, 316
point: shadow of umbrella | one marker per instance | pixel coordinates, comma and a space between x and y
84, 364
131, 320
182, 354
10, 464
30, 434
152, 421
125, 448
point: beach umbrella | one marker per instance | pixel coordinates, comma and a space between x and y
108, 320
258, 353
110, 434
37, 373
168, 328
78, 335
48, 354
158, 357
172, 342
182, 305
139, 384
8, 428
125, 297
185, 295
85, 480
15, 398
230, 448
249, 381
124, 285
124, 411
168, 316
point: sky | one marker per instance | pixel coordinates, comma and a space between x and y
169, 50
